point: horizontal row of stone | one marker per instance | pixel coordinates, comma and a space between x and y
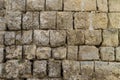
69, 5
54, 68
31, 52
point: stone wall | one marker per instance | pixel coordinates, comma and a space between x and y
59, 39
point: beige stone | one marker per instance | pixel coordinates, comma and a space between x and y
18, 37
54, 4
72, 52
64, 20
88, 53
2, 33
2, 4
1, 54
43, 52
59, 53
114, 5
117, 53
75, 37
48, 20
82, 20
2, 23
57, 37
107, 53
93, 37
110, 37
102, 5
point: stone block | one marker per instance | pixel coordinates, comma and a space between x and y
2, 23
57, 37
1, 54
59, 53
64, 20
31, 20
18, 37
114, 5
2, 34
48, 20
43, 52
88, 53
117, 53
54, 4
2, 4
102, 5
107, 53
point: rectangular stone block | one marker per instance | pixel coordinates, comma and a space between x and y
102, 5
88, 53
13, 52
48, 20
59, 53
110, 37
54, 4
2, 23
54, 68
117, 49
93, 37
2, 34
75, 37
107, 53
72, 52
41, 37
114, 5
35, 5
64, 20
43, 52
31, 20
57, 37
40, 69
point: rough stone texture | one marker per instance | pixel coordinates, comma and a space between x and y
114, 5
107, 53
75, 37
35, 5
54, 4
43, 52
110, 37
2, 33
57, 37
2, 23
40, 69
72, 52
93, 37
64, 20
41, 37
118, 53
88, 53
102, 5
59, 53
1, 54
48, 20
31, 20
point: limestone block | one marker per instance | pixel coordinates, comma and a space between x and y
54, 4
64, 20
43, 52
59, 53
2, 23
117, 53
107, 53
102, 5
114, 5
88, 53
31, 20
57, 37
48, 20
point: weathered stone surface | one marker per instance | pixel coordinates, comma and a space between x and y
64, 20
15, 5
35, 5
100, 21
87, 70
88, 53
41, 37
40, 69
107, 53
9, 38
2, 23
110, 37
48, 20
114, 5
54, 4
72, 52
72, 5
43, 52
75, 37
82, 20
102, 5
93, 37
13, 52
13, 20
2, 33
2, 4
57, 37
54, 68
114, 20
59, 53
71, 70
1, 54
18, 37
31, 20
2, 70
29, 51
117, 53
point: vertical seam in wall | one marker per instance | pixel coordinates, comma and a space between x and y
108, 5
97, 5
45, 5
39, 20
78, 49
73, 20
114, 53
